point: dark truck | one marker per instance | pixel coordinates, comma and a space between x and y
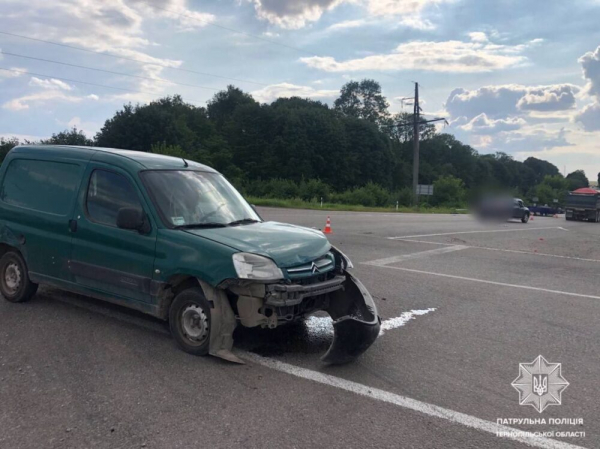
544, 210
583, 204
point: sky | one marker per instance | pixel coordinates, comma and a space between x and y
520, 77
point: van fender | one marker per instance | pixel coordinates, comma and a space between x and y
8, 237
222, 323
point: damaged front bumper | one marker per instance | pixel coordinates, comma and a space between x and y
355, 321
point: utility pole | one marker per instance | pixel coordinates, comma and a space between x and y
416, 115
416, 122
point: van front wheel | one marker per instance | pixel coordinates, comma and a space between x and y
15, 285
189, 320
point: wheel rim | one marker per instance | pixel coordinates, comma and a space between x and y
12, 278
194, 324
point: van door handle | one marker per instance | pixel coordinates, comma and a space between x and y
72, 225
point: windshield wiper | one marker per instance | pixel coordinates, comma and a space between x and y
243, 221
201, 225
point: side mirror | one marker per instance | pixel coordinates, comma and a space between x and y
134, 219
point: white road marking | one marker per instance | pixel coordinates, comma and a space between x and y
472, 232
484, 281
394, 259
408, 403
517, 251
405, 317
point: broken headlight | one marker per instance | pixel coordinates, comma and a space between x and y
344, 261
253, 266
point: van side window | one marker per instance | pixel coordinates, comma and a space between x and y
107, 193
41, 186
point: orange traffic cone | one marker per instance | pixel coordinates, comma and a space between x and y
327, 229
555, 216
531, 218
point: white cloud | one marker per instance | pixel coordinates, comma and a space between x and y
410, 12
54, 95
549, 98
293, 14
590, 62
51, 83
296, 14
502, 101
347, 24
177, 11
589, 116
114, 26
400, 7
286, 90
446, 56
13, 72
478, 36
534, 140
484, 125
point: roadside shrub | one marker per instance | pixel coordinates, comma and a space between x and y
281, 188
370, 195
313, 190
404, 197
448, 191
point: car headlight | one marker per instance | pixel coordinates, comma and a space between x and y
346, 262
253, 266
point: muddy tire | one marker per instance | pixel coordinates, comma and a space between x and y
525, 218
15, 285
189, 321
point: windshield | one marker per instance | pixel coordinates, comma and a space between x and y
187, 198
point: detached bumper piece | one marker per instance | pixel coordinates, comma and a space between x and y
355, 322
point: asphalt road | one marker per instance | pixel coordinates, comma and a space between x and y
79, 373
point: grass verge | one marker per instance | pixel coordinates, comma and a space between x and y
301, 204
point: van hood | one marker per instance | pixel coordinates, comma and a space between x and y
288, 245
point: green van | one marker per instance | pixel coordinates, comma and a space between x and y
171, 238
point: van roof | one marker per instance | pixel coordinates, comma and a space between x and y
136, 160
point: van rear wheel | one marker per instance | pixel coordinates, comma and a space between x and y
15, 285
189, 320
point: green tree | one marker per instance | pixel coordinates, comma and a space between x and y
6, 145
71, 136
223, 104
400, 127
551, 188
363, 99
577, 180
541, 168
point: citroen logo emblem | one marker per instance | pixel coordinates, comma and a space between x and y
314, 269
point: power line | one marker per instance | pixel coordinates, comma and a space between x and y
125, 58
70, 80
105, 71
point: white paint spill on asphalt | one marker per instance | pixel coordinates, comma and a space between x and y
394, 323
322, 326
